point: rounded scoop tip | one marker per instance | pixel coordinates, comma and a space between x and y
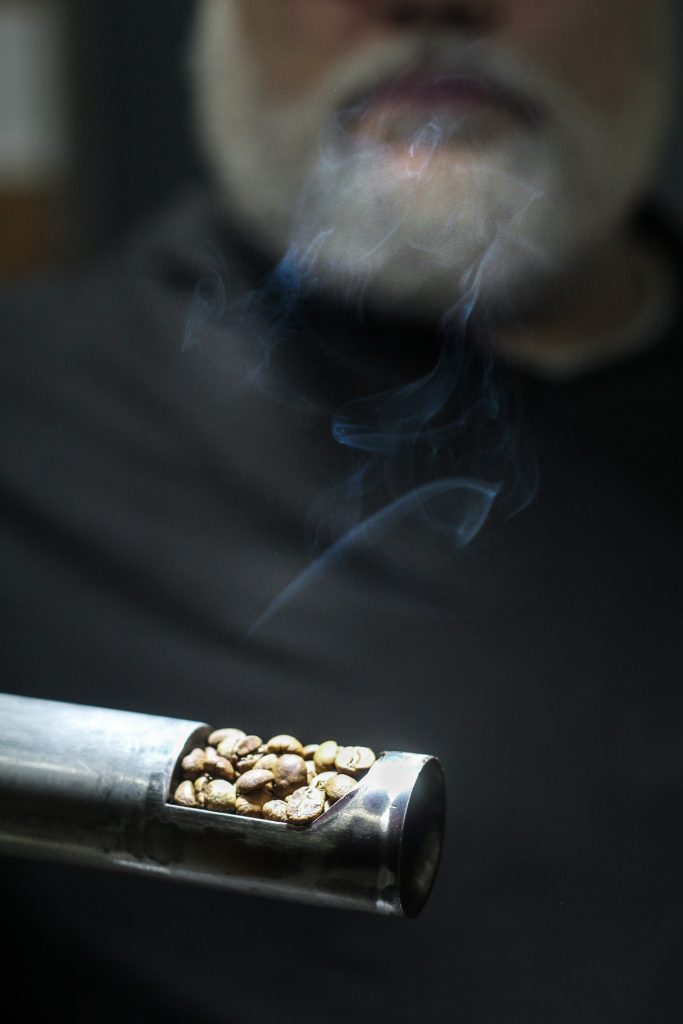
422, 838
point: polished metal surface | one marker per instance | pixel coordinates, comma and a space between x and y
89, 785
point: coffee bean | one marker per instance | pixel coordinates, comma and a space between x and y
193, 764
210, 756
309, 751
245, 764
290, 773
325, 756
305, 805
219, 795
222, 769
185, 794
225, 738
246, 746
284, 744
251, 806
322, 779
338, 786
275, 810
254, 780
353, 760
267, 761
200, 785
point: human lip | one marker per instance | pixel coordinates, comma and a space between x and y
455, 93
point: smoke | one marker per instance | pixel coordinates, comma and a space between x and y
441, 452
438, 454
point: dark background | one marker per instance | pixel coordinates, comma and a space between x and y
132, 140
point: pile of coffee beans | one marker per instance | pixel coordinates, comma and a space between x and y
280, 780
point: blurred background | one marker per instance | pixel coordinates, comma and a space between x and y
95, 126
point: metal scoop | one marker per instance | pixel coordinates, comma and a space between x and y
92, 786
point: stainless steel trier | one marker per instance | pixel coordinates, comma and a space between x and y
92, 786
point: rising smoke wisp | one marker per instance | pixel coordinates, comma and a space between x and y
439, 452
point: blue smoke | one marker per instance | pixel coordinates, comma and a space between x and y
455, 506
441, 453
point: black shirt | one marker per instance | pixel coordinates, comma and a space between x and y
168, 462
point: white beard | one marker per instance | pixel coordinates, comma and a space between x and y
498, 226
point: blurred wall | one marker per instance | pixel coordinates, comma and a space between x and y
33, 134
131, 123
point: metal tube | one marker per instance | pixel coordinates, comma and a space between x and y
92, 786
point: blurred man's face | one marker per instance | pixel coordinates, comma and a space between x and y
424, 149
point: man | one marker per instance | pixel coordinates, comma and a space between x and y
478, 140
381, 445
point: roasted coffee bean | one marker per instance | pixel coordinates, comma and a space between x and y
366, 759
353, 760
280, 780
219, 795
275, 810
267, 761
246, 746
251, 805
185, 794
325, 756
338, 786
210, 756
290, 773
322, 779
193, 764
226, 739
200, 785
284, 745
245, 764
216, 766
222, 769
254, 780
305, 805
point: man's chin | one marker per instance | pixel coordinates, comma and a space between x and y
422, 231
413, 284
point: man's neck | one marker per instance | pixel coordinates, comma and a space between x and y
616, 305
